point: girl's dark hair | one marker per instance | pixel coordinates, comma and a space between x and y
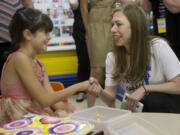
27, 18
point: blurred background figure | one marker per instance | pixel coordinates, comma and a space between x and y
99, 39
81, 47
166, 19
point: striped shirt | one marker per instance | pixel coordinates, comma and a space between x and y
7, 10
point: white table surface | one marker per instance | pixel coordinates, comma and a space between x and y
168, 122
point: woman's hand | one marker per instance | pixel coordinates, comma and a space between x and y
92, 86
95, 88
134, 98
84, 86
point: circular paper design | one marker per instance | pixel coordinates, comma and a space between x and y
29, 116
17, 124
63, 128
49, 120
27, 131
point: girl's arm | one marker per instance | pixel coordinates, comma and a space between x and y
27, 3
24, 69
48, 87
172, 5
59, 105
46, 83
84, 12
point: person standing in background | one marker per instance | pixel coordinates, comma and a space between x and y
166, 20
7, 10
99, 39
81, 47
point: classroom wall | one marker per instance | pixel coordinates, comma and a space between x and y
59, 62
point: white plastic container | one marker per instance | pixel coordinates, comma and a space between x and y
133, 125
101, 116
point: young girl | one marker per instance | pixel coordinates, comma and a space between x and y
24, 82
140, 64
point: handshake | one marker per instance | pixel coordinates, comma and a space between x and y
92, 87
130, 102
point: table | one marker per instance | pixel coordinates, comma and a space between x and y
168, 122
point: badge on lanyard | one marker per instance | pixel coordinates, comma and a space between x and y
161, 23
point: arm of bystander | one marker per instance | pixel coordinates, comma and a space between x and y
27, 3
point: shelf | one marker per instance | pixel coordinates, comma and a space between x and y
61, 48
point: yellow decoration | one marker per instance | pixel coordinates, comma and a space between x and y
59, 62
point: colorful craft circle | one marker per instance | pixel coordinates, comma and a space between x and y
27, 131
17, 124
49, 120
63, 128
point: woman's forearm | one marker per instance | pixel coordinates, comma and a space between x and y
107, 98
169, 88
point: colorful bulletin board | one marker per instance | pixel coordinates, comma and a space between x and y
62, 17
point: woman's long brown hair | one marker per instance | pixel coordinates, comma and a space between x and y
134, 67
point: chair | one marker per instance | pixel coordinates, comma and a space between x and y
57, 86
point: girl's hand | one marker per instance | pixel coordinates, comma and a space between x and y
134, 98
61, 113
71, 108
84, 86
